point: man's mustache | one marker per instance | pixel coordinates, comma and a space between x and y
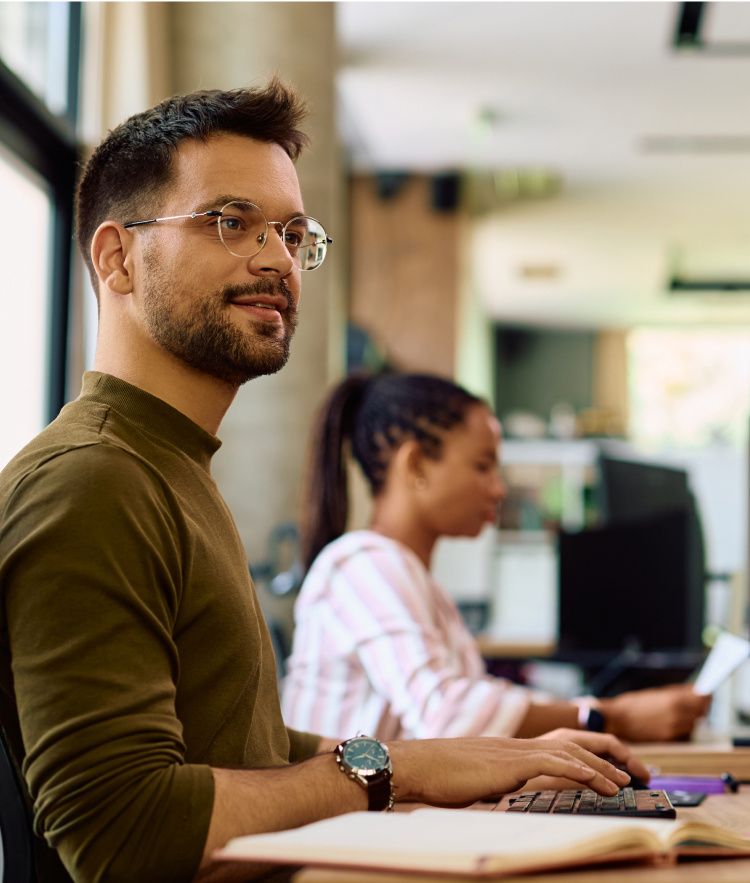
273, 287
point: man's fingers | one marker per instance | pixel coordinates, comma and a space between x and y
636, 767
565, 766
587, 757
571, 761
472, 769
605, 745
622, 757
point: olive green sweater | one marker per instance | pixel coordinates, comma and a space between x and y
133, 653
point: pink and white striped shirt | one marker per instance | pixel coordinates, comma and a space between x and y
380, 648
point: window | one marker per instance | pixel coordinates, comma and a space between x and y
24, 307
38, 42
38, 154
689, 388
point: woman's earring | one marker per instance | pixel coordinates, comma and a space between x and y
420, 484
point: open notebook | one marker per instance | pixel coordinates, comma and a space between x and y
480, 844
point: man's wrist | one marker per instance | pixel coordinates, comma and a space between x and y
367, 761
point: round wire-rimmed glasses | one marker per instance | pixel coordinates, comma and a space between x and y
243, 229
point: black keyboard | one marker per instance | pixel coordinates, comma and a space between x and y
627, 802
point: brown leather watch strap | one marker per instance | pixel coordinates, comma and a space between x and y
379, 793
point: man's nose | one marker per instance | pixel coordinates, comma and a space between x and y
274, 256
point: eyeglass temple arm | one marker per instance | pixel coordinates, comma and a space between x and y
173, 218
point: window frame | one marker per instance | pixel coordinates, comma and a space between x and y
47, 143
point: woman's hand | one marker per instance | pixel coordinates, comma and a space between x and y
458, 772
657, 714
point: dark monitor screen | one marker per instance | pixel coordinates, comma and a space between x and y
631, 490
630, 585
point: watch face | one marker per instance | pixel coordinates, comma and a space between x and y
363, 754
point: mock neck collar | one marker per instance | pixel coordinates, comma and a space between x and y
152, 414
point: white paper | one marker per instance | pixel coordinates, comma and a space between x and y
726, 654
452, 840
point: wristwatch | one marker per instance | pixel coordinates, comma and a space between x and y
589, 717
368, 762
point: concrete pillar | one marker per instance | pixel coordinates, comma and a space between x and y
228, 45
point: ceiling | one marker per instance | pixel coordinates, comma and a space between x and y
651, 145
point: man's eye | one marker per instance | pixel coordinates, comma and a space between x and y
231, 225
294, 240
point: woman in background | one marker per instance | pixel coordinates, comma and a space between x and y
379, 647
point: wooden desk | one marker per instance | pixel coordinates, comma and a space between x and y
696, 758
728, 810
491, 648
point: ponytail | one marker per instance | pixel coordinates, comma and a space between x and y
326, 507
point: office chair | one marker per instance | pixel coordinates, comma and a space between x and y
15, 825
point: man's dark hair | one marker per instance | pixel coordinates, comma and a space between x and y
133, 165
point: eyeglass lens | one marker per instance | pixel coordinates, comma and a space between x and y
244, 230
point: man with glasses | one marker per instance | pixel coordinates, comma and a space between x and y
137, 681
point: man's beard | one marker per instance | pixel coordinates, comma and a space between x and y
203, 335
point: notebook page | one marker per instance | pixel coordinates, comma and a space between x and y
438, 838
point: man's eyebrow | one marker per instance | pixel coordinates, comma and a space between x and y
218, 203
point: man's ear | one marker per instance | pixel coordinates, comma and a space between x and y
109, 252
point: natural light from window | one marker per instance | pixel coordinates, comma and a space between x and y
34, 45
689, 388
25, 238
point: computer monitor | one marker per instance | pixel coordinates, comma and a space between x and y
629, 586
631, 491
635, 584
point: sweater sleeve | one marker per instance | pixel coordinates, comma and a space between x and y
91, 576
385, 607
302, 745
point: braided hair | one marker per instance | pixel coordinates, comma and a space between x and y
372, 416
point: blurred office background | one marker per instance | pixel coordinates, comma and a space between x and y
546, 201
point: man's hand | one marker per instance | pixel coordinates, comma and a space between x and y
658, 714
603, 744
458, 772
442, 772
